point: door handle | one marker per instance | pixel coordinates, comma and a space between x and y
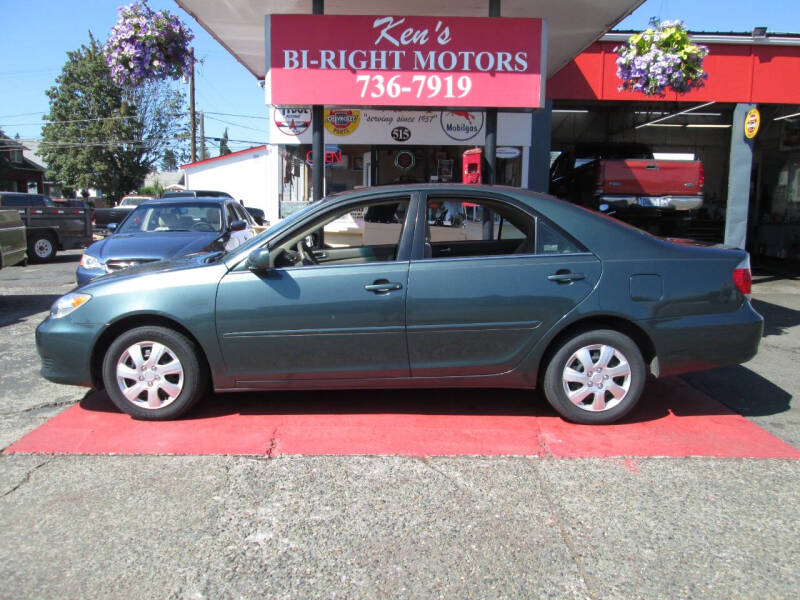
320, 255
566, 277
382, 287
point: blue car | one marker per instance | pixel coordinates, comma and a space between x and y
165, 229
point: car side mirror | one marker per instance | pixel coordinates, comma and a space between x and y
111, 227
258, 260
238, 225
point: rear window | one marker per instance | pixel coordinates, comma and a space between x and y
26, 200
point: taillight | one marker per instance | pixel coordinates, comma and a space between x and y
742, 278
702, 178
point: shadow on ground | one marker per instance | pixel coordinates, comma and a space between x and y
661, 398
777, 318
15, 307
741, 390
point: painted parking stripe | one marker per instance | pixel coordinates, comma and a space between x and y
673, 420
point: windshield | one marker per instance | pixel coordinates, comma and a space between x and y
173, 217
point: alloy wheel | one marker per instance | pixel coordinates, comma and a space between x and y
150, 375
596, 377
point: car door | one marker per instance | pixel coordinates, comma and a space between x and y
483, 290
336, 319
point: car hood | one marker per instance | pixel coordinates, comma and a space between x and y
158, 245
195, 261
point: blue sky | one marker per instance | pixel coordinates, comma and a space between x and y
36, 34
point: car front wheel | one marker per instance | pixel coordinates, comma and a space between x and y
153, 373
595, 377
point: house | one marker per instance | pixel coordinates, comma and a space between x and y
245, 175
19, 173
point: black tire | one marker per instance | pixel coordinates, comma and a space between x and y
192, 384
42, 247
601, 405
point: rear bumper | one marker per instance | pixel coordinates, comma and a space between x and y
706, 341
678, 203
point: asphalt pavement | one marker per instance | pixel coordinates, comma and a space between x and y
77, 526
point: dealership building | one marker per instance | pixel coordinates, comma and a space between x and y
387, 93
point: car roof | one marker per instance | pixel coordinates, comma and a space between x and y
196, 193
175, 200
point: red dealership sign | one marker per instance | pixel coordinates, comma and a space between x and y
347, 60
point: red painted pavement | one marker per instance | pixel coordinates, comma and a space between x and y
673, 419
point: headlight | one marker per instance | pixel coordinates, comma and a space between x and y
90, 262
66, 304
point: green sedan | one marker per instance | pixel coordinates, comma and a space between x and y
412, 286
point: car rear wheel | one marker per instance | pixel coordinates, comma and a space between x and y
595, 377
42, 247
153, 373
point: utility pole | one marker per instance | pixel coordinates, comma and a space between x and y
202, 136
317, 130
193, 124
490, 145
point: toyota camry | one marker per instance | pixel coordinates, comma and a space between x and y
412, 286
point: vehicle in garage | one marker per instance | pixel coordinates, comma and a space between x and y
12, 239
167, 228
49, 227
529, 291
625, 179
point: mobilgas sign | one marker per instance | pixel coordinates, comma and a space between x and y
351, 60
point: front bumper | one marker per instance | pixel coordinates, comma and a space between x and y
65, 349
84, 276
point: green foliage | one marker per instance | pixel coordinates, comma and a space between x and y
155, 189
169, 161
223, 144
101, 135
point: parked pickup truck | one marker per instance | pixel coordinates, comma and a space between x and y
49, 228
626, 181
12, 239
104, 216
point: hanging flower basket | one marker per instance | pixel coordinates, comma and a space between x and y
147, 45
661, 57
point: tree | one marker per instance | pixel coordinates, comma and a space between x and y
104, 136
169, 162
223, 144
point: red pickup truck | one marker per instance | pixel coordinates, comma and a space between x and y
626, 181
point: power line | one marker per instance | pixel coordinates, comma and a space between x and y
208, 112
45, 121
41, 112
259, 129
